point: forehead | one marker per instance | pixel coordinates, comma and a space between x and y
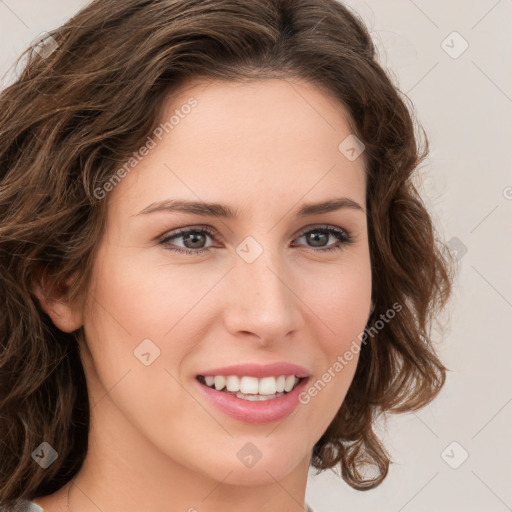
256, 112
247, 142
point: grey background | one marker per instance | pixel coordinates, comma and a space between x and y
465, 104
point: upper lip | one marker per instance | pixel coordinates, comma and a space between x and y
258, 370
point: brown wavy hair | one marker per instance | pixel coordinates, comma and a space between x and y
72, 117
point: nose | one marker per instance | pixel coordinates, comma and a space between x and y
264, 301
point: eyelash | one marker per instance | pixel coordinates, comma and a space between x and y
343, 237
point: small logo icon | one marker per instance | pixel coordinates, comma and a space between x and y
44, 455
146, 352
45, 45
249, 249
351, 147
454, 455
454, 45
456, 248
249, 455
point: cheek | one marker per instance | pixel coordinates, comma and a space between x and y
341, 299
134, 300
131, 310
341, 302
142, 297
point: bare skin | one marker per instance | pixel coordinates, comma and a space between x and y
156, 444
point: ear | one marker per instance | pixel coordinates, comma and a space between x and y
66, 316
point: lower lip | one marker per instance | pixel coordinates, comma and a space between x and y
254, 412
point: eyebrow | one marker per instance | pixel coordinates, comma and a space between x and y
224, 211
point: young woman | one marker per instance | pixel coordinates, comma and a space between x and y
215, 271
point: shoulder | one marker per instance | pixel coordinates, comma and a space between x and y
24, 506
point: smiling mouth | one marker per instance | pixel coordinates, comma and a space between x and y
269, 388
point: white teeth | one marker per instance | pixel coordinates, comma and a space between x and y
232, 383
289, 383
247, 385
268, 386
258, 398
220, 382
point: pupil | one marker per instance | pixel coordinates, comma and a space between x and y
315, 235
191, 235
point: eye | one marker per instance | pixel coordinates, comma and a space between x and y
194, 239
341, 235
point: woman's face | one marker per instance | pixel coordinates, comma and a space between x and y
259, 287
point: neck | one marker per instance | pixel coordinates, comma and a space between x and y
124, 471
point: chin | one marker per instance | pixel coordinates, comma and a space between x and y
274, 464
260, 474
